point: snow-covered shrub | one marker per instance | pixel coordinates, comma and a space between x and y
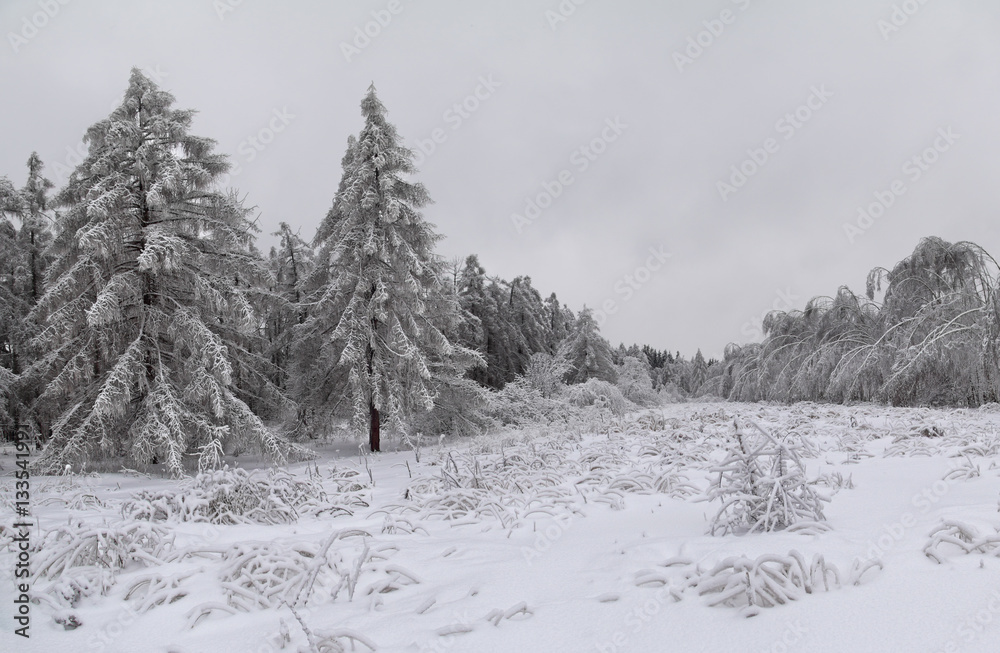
601, 394
226, 496
545, 373
519, 404
963, 537
762, 486
670, 393
772, 580
635, 383
111, 546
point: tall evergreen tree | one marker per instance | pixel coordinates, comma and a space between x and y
11, 305
28, 262
149, 303
484, 332
290, 264
35, 235
587, 351
560, 321
384, 273
321, 389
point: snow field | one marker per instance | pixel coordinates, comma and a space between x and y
558, 539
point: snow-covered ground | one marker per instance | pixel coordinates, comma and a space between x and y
571, 538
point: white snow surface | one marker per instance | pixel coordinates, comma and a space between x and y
583, 538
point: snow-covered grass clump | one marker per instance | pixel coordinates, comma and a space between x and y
762, 485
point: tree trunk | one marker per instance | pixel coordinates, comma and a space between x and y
373, 433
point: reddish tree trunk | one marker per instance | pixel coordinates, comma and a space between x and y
373, 433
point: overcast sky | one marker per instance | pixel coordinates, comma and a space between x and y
647, 109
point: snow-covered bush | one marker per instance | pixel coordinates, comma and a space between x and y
595, 392
635, 383
80, 560
670, 393
762, 485
545, 373
519, 404
772, 580
962, 538
226, 496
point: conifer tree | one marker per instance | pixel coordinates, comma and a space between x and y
587, 351
290, 264
28, 261
485, 332
11, 306
149, 302
390, 333
560, 320
321, 389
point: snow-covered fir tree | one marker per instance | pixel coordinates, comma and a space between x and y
290, 264
24, 260
560, 320
586, 350
35, 233
381, 315
11, 306
320, 390
148, 308
486, 333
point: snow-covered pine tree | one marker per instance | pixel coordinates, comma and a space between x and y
460, 403
526, 312
487, 333
320, 390
28, 261
148, 304
11, 306
290, 264
560, 321
34, 236
384, 273
587, 351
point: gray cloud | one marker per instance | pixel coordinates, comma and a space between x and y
783, 231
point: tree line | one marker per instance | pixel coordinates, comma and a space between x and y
924, 333
139, 320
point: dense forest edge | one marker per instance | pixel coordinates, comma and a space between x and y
139, 321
